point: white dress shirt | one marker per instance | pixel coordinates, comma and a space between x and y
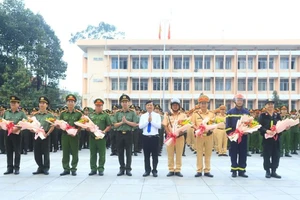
155, 123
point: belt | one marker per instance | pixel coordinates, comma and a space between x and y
150, 136
221, 128
124, 132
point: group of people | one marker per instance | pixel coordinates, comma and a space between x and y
125, 128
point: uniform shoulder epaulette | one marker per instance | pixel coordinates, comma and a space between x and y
63, 111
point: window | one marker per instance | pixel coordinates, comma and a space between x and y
207, 83
228, 63
186, 84
228, 104
144, 63
219, 84
158, 62
250, 63
262, 84
293, 105
141, 84
123, 63
135, 84
250, 84
271, 62
218, 103
158, 84
135, 63
271, 84
242, 63
228, 84
139, 63
284, 84
186, 63
261, 104
293, 63
241, 84
262, 63
114, 84
250, 104
177, 84
143, 103
186, 104
284, 63
198, 84
166, 64
135, 102
123, 84
219, 63
114, 102
114, 63
198, 62
177, 62
293, 84
207, 63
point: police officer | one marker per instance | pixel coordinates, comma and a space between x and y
294, 133
113, 133
84, 135
237, 151
271, 150
177, 148
41, 147
220, 132
124, 121
13, 141
135, 132
285, 136
70, 144
98, 145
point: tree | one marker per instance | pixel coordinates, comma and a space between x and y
276, 99
102, 31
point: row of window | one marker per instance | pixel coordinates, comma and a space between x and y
186, 104
200, 84
201, 62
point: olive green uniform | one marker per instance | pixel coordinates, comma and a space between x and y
285, 144
255, 141
124, 137
70, 144
102, 120
113, 137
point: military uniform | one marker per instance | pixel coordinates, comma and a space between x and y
294, 133
285, 142
42, 147
113, 134
135, 133
255, 137
84, 134
13, 141
70, 144
124, 136
97, 145
54, 135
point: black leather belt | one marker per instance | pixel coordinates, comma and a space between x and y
124, 132
150, 136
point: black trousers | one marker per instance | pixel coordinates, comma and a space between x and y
25, 137
84, 139
161, 139
150, 144
238, 155
135, 140
124, 142
113, 141
271, 154
54, 139
2, 141
31, 141
13, 145
42, 153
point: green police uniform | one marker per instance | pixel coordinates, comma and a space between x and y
70, 144
294, 138
113, 136
13, 141
256, 141
285, 140
102, 120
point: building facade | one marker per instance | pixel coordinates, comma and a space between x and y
186, 68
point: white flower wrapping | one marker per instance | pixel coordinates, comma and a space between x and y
93, 127
66, 127
34, 126
171, 139
204, 127
282, 125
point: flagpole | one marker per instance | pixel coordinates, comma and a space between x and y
164, 65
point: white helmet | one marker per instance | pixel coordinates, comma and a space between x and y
175, 100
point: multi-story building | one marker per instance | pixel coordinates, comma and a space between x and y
217, 68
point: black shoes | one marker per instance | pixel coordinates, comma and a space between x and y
121, 172
65, 173
8, 172
208, 175
275, 175
46, 172
100, 173
38, 172
17, 172
234, 174
154, 174
128, 173
74, 173
178, 174
146, 174
268, 174
170, 174
287, 155
92, 173
243, 174
198, 174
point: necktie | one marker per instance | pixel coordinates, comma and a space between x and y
149, 126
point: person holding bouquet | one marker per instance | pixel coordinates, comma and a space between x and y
271, 146
42, 147
237, 151
70, 143
13, 140
124, 121
204, 143
294, 131
285, 138
175, 148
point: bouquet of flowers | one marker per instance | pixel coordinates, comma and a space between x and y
205, 126
281, 126
178, 126
34, 125
63, 125
86, 123
7, 125
51, 120
246, 124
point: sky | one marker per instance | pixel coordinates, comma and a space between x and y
189, 19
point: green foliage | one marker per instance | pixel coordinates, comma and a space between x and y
102, 31
276, 99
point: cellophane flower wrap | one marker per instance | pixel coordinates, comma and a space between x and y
280, 127
7, 126
63, 125
86, 123
205, 126
34, 125
246, 124
177, 127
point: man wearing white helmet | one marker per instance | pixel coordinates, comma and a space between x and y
177, 148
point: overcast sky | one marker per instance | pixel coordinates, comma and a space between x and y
190, 19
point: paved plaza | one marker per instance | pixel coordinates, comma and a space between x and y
222, 186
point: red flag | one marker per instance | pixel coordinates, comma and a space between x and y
159, 33
169, 33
